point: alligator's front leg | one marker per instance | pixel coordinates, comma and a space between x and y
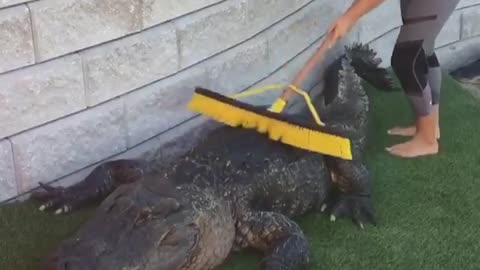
351, 195
96, 186
280, 238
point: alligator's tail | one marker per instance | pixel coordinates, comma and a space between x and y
367, 65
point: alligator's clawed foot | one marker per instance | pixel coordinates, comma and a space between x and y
55, 198
356, 207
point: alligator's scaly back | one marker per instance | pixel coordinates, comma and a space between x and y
365, 63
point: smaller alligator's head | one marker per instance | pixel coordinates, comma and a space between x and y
150, 226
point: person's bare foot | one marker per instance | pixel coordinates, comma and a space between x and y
414, 148
423, 143
407, 131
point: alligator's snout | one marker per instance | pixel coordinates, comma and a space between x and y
151, 226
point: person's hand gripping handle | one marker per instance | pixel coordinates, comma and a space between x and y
279, 104
338, 29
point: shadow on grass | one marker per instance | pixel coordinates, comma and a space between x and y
426, 207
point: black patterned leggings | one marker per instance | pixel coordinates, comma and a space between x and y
413, 59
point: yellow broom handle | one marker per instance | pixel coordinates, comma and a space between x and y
309, 103
279, 86
307, 69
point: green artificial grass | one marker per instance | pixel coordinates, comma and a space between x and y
426, 207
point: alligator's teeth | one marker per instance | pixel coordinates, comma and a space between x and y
42, 207
332, 218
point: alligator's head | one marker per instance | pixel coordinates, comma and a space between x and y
150, 225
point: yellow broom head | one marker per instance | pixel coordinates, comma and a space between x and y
238, 114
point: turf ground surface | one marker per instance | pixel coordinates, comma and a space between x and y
427, 208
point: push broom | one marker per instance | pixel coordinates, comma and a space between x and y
235, 113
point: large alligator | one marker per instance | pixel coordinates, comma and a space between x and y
235, 189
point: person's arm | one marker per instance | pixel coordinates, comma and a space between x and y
338, 29
362, 7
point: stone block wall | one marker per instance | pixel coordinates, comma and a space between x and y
84, 81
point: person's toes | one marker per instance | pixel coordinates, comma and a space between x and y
397, 149
400, 151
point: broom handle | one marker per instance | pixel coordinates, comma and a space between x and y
305, 71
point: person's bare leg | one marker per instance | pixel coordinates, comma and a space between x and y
424, 141
434, 77
413, 55
409, 63
409, 131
